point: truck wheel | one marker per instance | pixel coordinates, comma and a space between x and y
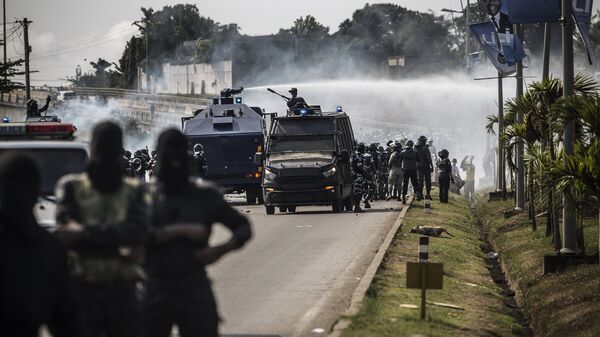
283, 209
251, 197
270, 209
348, 204
292, 209
336, 206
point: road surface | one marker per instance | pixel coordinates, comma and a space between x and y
299, 271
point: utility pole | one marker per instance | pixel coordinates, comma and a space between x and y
520, 193
569, 223
467, 15
25, 24
501, 176
148, 80
4, 30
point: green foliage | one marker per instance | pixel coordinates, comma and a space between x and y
103, 77
7, 72
307, 27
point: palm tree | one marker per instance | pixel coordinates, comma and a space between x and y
540, 133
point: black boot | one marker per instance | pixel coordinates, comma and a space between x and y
404, 200
367, 204
357, 208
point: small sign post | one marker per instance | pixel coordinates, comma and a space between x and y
423, 274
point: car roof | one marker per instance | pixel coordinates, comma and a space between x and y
43, 144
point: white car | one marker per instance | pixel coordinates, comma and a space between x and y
65, 95
55, 158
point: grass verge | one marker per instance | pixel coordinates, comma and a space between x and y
467, 283
565, 304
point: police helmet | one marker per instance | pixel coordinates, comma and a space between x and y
360, 147
373, 147
410, 143
454, 161
198, 149
443, 154
293, 91
422, 140
32, 103
137, 164
380, 149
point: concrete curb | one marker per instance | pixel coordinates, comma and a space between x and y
365, 282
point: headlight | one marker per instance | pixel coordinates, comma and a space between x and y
269, 175
329, 172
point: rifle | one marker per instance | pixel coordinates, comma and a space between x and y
278, 94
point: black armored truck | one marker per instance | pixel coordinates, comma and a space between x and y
307, 160
230, 133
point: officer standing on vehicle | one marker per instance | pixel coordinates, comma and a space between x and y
199, 160
358, 176
410, 161
183, 211
395, 175
295, 102
102, 218
444, 175
32, 107
35, 286
425, 168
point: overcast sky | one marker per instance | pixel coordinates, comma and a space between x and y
65, 33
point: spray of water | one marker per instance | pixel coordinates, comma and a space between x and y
451, 110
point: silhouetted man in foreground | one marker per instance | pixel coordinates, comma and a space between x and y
177, 250
102, 217
35, 288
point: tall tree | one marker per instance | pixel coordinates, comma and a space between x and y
7, 72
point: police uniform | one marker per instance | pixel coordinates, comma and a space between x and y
358, 177
424, 170
395, 175
410, 160
104, 265
444, 177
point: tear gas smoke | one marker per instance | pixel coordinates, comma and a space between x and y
85, 114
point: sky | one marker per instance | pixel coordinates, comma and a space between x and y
67, 33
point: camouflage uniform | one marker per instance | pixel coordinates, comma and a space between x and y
358, 177
104, 263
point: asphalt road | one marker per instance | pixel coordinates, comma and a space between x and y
299, 271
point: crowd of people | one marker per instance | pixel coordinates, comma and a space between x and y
386, 173
113, 233
141, 163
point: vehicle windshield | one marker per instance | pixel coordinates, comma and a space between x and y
302, 144
54, 164
301, 126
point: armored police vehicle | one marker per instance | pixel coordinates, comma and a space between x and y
51, 144
307, 160
230, 133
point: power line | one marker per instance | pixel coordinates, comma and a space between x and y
106, 39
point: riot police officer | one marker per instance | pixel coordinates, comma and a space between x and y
396, 174
409, 160
199, 160
424, 169
383, 172
32, 107
444, 175
295, 102
358, 176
